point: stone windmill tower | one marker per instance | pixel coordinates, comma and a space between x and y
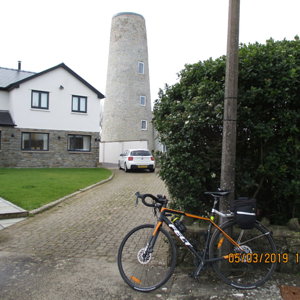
127, 108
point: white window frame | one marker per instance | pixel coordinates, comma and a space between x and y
141, 67
144, 125
143, 102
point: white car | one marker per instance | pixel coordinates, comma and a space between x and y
134, 159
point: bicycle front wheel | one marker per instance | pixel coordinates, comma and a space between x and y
249, 265
143, 270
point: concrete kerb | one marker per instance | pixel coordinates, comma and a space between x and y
58, 201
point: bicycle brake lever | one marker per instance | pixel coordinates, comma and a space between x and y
155, 211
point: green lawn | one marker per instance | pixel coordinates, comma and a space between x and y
32, 188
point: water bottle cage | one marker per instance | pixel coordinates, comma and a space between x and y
180, 226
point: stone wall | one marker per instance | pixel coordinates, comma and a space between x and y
57, 156
286, 241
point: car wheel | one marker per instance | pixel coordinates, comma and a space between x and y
151, 170
125, 168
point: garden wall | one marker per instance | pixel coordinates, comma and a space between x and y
287, 241
58, 155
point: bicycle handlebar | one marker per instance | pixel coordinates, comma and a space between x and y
159, 199
162, 200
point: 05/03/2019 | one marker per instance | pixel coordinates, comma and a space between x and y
266, 258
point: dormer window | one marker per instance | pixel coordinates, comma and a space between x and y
40, 99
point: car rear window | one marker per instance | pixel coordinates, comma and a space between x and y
140, 153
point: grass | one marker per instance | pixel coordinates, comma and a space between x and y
33, 188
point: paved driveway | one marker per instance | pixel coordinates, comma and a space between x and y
64, 253
69, 252
89, 225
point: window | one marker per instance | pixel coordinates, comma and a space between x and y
140, 153
125, 153
33, 141
79, 143
141, 68
79, 104
143, 100
40, 99
144, 125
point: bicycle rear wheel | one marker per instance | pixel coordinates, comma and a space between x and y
250, 265
141, 270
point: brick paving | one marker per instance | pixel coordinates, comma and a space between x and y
69, 251
90, 224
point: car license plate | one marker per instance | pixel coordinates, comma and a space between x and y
142, 167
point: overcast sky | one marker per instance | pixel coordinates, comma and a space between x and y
44, 33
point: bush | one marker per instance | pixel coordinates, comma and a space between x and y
188, 117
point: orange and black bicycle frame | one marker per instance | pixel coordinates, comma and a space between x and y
163, 218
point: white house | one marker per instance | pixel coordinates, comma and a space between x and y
48, 119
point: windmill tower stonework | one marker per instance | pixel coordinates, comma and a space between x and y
127, 108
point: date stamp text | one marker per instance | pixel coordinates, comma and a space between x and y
266, 258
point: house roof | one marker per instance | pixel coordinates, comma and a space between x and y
6, 119
10, 78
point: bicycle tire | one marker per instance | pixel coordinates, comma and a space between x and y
241, 270
156, 270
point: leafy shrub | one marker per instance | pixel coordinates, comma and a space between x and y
188, 117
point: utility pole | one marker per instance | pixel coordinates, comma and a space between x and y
230, 105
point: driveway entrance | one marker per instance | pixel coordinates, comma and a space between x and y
69, 252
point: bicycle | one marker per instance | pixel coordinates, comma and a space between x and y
147, 254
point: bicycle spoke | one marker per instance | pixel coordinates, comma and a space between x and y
240, 237
254, 238
144, 270
244, 266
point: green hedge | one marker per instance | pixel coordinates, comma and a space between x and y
188, 117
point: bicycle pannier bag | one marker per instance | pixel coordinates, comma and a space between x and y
245, 212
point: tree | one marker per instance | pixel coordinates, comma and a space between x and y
188, 117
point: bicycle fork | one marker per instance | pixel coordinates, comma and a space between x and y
150, 245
